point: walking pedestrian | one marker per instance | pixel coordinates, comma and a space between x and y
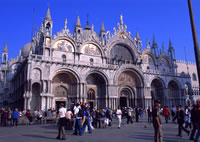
193, 120
119, 116
15, 117
158, 135
62, 119
180, 119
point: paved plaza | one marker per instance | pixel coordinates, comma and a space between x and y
136, 132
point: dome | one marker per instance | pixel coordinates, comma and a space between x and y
25, 50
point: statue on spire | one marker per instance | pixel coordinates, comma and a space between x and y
121, 19
65, 25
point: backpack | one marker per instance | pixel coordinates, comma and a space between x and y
80, 113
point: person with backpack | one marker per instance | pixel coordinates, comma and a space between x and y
86, 121
78, 113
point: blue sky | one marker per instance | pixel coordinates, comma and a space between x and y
166, 19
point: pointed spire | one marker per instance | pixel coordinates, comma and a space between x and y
170, 45
154, 45
5, 50
163, 48
102, 28
137, 36
78, 23
48, 15
87, 27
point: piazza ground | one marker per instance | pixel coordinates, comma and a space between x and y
128, 133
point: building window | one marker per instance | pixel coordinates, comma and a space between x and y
148, 67
64, 58
194, 77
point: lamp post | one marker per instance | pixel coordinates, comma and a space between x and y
195, 40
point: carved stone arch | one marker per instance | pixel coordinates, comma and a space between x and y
161, 81
127, 43
165, 61
176, 81
73, 72
149, 55
101, 73
127, 96
102, 53
65, 39
127, 53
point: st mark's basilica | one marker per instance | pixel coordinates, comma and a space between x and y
105, 69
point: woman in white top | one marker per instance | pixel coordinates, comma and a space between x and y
62, 119
119, 116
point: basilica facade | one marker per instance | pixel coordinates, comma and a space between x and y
104, 69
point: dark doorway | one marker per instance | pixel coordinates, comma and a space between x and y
123, 101
58, 103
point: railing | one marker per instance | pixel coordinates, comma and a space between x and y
73, 62
166, 73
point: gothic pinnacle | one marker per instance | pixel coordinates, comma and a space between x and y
48, 15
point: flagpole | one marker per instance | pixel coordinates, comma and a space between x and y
195, 40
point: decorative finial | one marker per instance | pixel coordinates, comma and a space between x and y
148, 43
65, 25
121, 19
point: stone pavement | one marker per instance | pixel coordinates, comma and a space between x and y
136, 132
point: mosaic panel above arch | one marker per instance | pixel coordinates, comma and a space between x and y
63, 45
90, 49
127, 77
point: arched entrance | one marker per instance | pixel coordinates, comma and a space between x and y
36, 99
173, 93
64, 89
126, 99
130, 89
91, 98
96, 87
157, 92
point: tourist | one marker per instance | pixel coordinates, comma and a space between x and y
129, 115
158, 136
137, 114
10, 117
119, 116
15, 117
187, 117
86, 121
62, 118
166, 113
197, 122
149, 113
69, 122
29, 116
180, 120
78, 113
193, 120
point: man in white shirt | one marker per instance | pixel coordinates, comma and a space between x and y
119, 116
62, 119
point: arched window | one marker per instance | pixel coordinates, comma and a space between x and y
194, 77
64, 58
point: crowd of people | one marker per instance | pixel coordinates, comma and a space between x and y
80, 118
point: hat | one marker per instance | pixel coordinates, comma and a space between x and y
157, 101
